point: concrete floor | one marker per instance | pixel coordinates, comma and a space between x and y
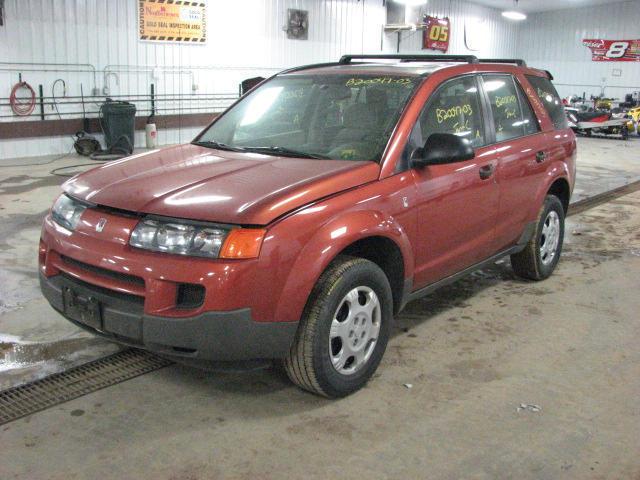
472, 353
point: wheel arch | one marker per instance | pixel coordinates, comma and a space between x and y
556, 181
561, 189
361, 234
386, 254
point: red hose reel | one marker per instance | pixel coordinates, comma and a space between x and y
22, 105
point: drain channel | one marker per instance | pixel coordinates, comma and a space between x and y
591, 202
23, 400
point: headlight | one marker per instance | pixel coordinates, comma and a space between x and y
66, 212
178, 238
197, 240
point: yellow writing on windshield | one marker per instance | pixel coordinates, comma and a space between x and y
348, 154
356, 82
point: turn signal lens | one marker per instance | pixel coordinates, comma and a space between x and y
243, 243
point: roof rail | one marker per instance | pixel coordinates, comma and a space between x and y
346, 59
307, 67
516, 61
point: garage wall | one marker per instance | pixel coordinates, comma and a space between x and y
245, 39
553, 41
488, 33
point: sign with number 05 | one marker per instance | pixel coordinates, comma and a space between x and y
436, 33
613, 50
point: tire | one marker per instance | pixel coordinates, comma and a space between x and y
319, 357
535, 262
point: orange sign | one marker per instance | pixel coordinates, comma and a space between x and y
172, 21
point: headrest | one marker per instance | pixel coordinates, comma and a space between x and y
359, 115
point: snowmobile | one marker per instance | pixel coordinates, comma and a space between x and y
597, 122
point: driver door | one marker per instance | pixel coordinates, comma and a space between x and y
457, 203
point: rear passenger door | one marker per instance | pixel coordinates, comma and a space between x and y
457, 202
521, 154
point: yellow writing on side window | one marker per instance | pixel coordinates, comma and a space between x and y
444, 114
506, 100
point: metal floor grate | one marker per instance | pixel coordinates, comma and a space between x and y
596, 200
61, 387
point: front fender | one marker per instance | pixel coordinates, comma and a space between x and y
326, 244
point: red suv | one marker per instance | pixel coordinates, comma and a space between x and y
311, 211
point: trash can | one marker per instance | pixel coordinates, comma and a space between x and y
117, 119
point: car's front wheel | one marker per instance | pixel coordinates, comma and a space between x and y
344, 329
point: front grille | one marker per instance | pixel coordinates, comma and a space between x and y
136, 302
103, 272
117, 211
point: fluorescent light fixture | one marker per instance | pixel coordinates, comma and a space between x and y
411, 3
493, 85
512, 15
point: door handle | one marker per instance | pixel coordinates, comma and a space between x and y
541, 156
486, 171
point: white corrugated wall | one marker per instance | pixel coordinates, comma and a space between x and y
245, 39
553, 41
496, 35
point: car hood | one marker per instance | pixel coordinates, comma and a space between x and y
193, 182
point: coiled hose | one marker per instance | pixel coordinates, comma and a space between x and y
22, 106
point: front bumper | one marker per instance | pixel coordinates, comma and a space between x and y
208, 336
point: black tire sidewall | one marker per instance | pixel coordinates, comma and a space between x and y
366, 274
551, 203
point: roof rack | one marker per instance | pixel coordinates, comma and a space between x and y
346, 59
516, 61
307, 67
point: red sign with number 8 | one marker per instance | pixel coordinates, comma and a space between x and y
613, 50
436, 33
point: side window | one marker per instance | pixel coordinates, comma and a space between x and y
529, 120
512, 115
550, 99
454, 108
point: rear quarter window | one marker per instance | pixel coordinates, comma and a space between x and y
550, 99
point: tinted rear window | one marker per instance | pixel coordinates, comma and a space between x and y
550, 99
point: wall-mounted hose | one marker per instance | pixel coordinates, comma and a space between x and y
22, 106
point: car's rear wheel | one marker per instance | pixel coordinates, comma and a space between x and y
539, 258
344, 329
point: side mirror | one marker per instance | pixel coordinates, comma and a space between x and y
442, 148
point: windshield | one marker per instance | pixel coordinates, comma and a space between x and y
341, 117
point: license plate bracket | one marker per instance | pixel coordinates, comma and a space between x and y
86, 310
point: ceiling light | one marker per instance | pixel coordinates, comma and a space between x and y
512, 15
411, 3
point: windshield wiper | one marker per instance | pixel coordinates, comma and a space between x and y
217, 145
285, 152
